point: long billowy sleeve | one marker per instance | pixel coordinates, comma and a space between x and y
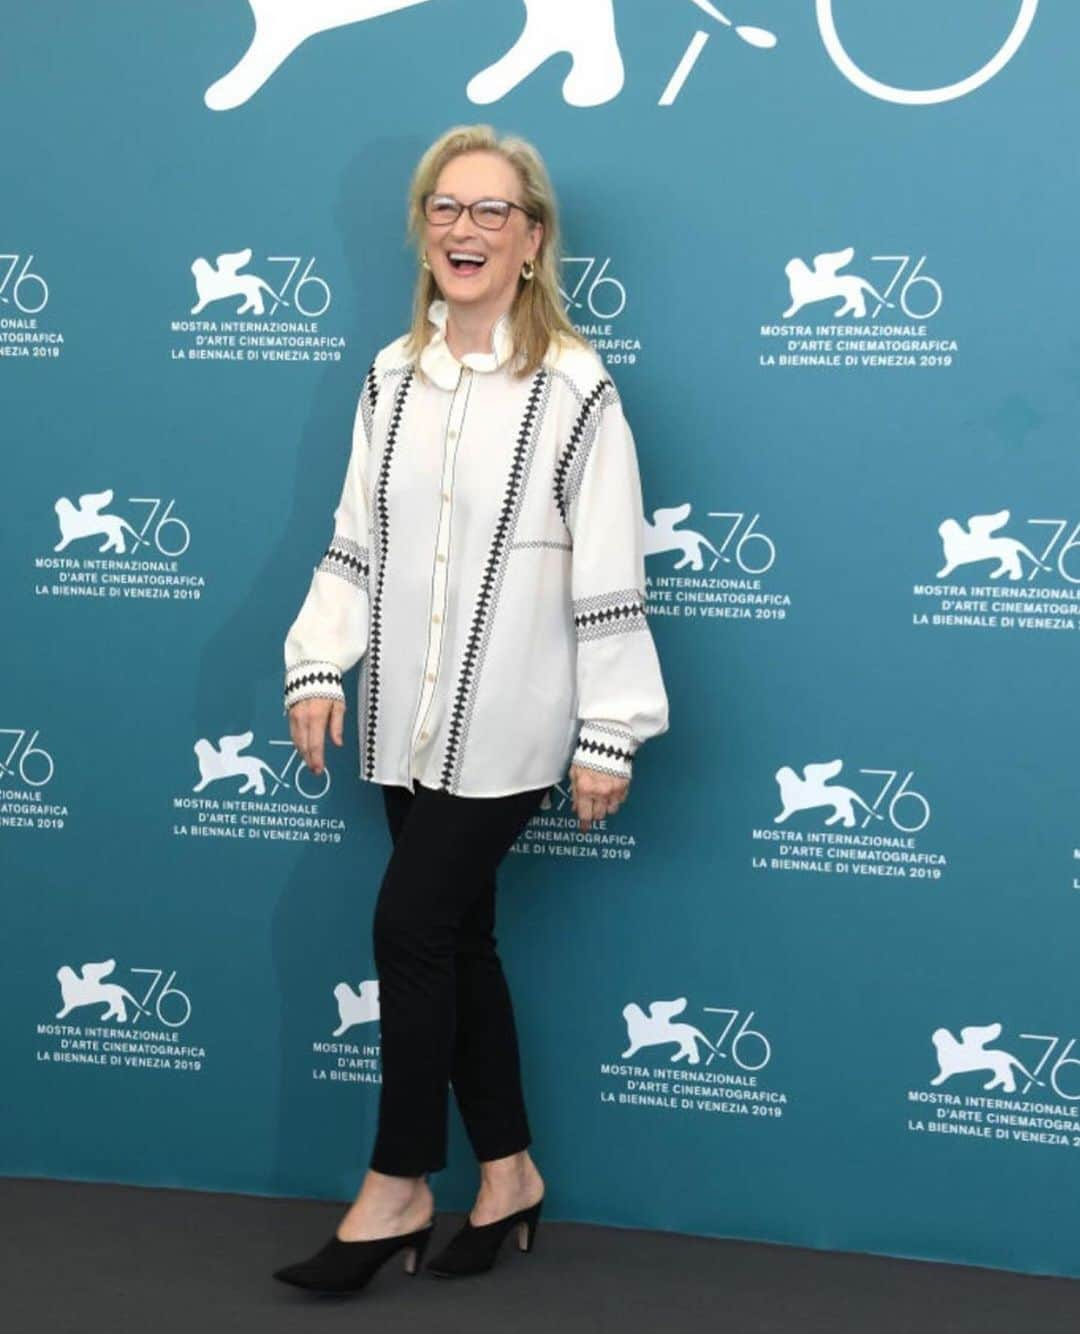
621, 696
330, 632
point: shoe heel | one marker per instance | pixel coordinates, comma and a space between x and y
414, 1254
527, 1228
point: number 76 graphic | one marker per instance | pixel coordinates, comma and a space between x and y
583, 29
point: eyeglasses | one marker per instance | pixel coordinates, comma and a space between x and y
491, 214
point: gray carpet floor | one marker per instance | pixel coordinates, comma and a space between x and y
104, 1259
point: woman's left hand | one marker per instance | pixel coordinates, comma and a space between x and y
595, 794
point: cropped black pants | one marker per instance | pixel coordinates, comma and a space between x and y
445, 1012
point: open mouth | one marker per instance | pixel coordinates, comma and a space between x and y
466, 261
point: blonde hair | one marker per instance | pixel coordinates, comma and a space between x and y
537, 315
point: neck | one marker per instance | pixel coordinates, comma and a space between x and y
468, 328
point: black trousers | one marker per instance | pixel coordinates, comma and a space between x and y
445, 1011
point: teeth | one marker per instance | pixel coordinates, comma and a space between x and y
464, 254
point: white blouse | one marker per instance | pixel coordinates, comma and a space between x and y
487, 565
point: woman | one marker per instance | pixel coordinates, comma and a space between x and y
487, 566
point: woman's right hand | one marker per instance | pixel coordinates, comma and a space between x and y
308, 720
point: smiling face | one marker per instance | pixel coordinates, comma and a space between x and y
491, 281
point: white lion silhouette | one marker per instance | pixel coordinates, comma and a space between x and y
811, 790
86, 520
225, 761
821, 281
87, 988
356, 1007
963, 546
583, 29
662, 535
656, 1029
970, 1053
220, 280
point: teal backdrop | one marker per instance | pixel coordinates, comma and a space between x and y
815, 983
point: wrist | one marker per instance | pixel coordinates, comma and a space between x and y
312, 679
607, 747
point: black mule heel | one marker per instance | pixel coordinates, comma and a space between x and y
414, 1255
527, 1227
347, 1266
474, 1248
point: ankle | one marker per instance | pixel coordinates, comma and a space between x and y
393, 1192
516, 1170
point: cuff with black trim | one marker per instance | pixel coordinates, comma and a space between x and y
312, 680
608, 747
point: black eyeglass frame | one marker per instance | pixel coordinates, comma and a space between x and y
488, 199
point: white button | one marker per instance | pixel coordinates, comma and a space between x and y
436, 617
439, 556
423, 736
453, 434
431, 676
446, 495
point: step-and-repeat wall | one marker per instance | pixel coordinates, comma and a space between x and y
816, 981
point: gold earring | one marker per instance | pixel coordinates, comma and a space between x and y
527, 270
424, 261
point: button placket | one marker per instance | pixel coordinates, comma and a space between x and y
440, 572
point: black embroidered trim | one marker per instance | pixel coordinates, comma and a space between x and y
562, 468
480, 614
374, 651
320, 678
604, 750
609, 614
348, 559
620, 730
369, 396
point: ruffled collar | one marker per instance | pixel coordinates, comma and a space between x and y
440, 364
